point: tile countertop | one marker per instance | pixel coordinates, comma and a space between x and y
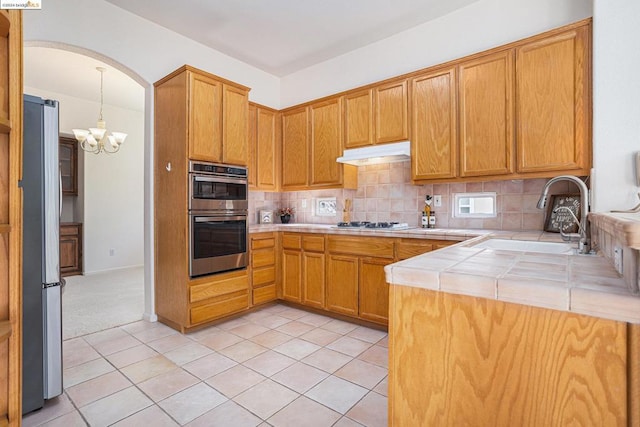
584, 284
416, 233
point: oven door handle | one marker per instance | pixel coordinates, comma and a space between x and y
200, 178
221, 218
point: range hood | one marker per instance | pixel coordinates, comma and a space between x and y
384, 153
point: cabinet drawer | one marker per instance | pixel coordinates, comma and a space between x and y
313, 243
70, 229
406, 250
263, 243
263, 276
219, 287
263, 258
264, 294
291, 241
218, 309
365, 246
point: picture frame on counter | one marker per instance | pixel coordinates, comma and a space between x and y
562, 218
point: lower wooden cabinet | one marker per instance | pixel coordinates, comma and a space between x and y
303, 268
373, 290
452, 357
292, 275
70, 249
342, 284
313, 281
263, 267
216, 296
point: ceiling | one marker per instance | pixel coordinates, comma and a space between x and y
277, 36
74, 74
284, 36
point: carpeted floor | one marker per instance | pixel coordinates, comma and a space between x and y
101, 301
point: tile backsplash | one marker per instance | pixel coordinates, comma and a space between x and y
385, 193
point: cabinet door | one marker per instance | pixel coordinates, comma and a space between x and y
234, 125
68, 156
295, 160
292, 275
358, 119
486, 115
326, 142
553, 106
70, 249
342, 284
267, 150
252, 149
391, 118
313, 279
434, 132
374, 290
205, 118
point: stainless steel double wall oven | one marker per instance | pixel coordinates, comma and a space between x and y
218, 230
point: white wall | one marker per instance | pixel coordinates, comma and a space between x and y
111, 187
146, 48
616, 103
477, 27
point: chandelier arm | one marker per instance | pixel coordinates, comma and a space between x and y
101, 92
104, 149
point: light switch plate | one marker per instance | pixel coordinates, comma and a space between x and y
437, 201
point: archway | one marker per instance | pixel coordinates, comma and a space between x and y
149, 311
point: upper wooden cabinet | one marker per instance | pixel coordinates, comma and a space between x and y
358, 119
485, 91
311, 143
391, 102
295, 133
205, 108
264, 148
235, 113
326, 142
68, 155
553, 103
434, 125
217, 115
522, 111
376, 115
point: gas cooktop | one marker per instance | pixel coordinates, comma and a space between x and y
374, 225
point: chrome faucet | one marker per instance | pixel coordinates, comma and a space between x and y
584, 235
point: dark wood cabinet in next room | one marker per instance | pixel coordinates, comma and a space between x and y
68, 165
70, 249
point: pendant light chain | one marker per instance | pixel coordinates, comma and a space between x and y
101, 92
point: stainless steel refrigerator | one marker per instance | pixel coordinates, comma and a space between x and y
41, 282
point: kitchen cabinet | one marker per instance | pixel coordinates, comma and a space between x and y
359, 127
522, 111
217, 113
553, 103
235, 113
356, 283
453, 356
311, 142
70, 249
485, 91
11, 332
303, 268
326, 143
342, 284
408, 248
263, 267
68, 156
391, 102
197, 116
434, 148
264, 148
219, 295
295, 154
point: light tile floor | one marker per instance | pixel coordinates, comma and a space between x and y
278, 366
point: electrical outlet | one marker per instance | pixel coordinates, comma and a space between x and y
303, 203
617, 259
437, 201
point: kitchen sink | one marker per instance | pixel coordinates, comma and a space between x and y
555, 248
